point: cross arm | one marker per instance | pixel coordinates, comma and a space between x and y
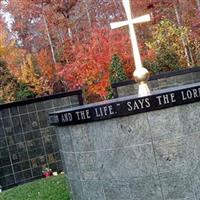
144, 18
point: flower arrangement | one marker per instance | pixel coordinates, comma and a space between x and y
46, 172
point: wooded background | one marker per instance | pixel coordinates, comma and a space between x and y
60, 45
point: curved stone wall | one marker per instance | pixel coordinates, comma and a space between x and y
148, 156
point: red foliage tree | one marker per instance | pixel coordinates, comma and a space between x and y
90, 68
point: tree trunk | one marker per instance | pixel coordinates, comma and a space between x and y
70, 33
88, 14
49, 38
188, 53
198, 5
114, 2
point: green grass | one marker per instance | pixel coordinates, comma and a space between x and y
52, 188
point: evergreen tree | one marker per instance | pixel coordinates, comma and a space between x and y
23, 92
117, 72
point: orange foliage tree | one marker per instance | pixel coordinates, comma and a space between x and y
46, 65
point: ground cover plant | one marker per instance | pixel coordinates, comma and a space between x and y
51, 188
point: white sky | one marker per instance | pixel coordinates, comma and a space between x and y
8, 18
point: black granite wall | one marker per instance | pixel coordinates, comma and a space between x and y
27, 141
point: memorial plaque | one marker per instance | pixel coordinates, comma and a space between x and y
126, 106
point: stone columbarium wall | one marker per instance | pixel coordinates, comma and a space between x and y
147, 156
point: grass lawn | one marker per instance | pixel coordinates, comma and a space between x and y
52, 188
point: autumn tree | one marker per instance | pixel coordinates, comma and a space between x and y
8, 84
46, 65
30, 76
90, 68
168, 47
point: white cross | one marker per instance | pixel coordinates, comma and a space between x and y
130, 22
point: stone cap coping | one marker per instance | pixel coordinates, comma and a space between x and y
159, 76
44, 98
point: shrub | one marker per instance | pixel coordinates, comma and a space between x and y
23, 92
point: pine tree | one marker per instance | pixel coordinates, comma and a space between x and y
23, 92
117, 72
